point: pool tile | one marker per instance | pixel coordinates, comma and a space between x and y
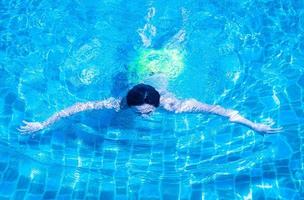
106, 195
10, 175
36, 188
19, 194
65, 190
78, 194
23, 182
49, 195
7, 188
2, 166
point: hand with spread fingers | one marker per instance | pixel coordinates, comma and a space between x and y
30, 127
266, 128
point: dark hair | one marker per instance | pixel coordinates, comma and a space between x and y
141, 94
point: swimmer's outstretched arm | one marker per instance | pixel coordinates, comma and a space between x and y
191, 105
110, 103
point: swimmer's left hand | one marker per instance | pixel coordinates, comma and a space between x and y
30, 127
266, 128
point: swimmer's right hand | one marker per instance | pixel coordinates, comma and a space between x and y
30, 127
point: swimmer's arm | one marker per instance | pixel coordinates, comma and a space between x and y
110, 103
192, 105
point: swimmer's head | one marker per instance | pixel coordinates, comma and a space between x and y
143, 97
144, 109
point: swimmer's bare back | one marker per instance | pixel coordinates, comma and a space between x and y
146, 99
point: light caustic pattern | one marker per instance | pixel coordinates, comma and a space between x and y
243, 55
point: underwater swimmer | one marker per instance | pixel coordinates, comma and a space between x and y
145, 99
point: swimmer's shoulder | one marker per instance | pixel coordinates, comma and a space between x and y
168, 101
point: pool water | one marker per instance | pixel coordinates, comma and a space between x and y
244, 55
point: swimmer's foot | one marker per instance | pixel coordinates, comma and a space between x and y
30, 127
263, 128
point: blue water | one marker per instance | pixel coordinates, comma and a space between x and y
244, 55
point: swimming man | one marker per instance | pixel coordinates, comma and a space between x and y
145, 99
